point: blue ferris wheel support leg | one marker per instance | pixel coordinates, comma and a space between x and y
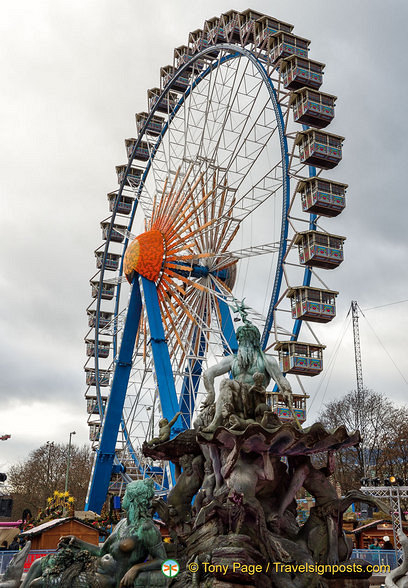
227, 326
102, 470
161, 359
161, 356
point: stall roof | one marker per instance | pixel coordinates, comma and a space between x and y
8, 535
55, 523
374, 524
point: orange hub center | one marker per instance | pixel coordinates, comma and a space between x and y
145, 256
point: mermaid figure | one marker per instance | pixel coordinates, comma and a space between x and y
131, 556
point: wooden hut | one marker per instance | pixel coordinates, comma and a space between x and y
366, 534
47, 535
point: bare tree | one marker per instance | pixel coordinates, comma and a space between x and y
35, 479
381, 425
393, 457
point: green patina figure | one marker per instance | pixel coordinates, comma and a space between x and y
131, 556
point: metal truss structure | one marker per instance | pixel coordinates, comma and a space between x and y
392, 495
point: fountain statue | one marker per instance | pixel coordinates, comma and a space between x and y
244, 467
131, 556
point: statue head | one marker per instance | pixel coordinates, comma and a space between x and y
249, 339
186, 462
249, 334
137, 500
259, 379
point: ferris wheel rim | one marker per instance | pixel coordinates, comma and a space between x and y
234, 51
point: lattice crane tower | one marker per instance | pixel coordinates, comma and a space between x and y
357, 349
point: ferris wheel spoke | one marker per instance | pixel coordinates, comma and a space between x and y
228, 91
172, 329
227, 258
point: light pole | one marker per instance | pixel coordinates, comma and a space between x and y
69, 460
50, 446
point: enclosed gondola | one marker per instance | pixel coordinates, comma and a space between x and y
179, 83
116, 234
104, 377
303, 359
105, 318
247, 20
124, 206
111, 260
107, 292
154, 126
321, 196
312, 304
282, 44
312, 108
280, 407
165, 104
214, 30
266, 27
318, 249
319, 148
92, 406
102, 350
298, 72
132, 178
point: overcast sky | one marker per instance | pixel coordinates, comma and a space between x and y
74, 74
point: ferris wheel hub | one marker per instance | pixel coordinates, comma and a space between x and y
145, 256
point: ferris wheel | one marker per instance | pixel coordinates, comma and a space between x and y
220, 201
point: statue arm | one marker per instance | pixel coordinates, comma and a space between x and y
209, 376
272, 367
72, 541
173, 420
299, 476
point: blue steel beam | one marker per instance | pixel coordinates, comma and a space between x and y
102, 469
162, 363
307, 276
191, 382
227, 327
161, 357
